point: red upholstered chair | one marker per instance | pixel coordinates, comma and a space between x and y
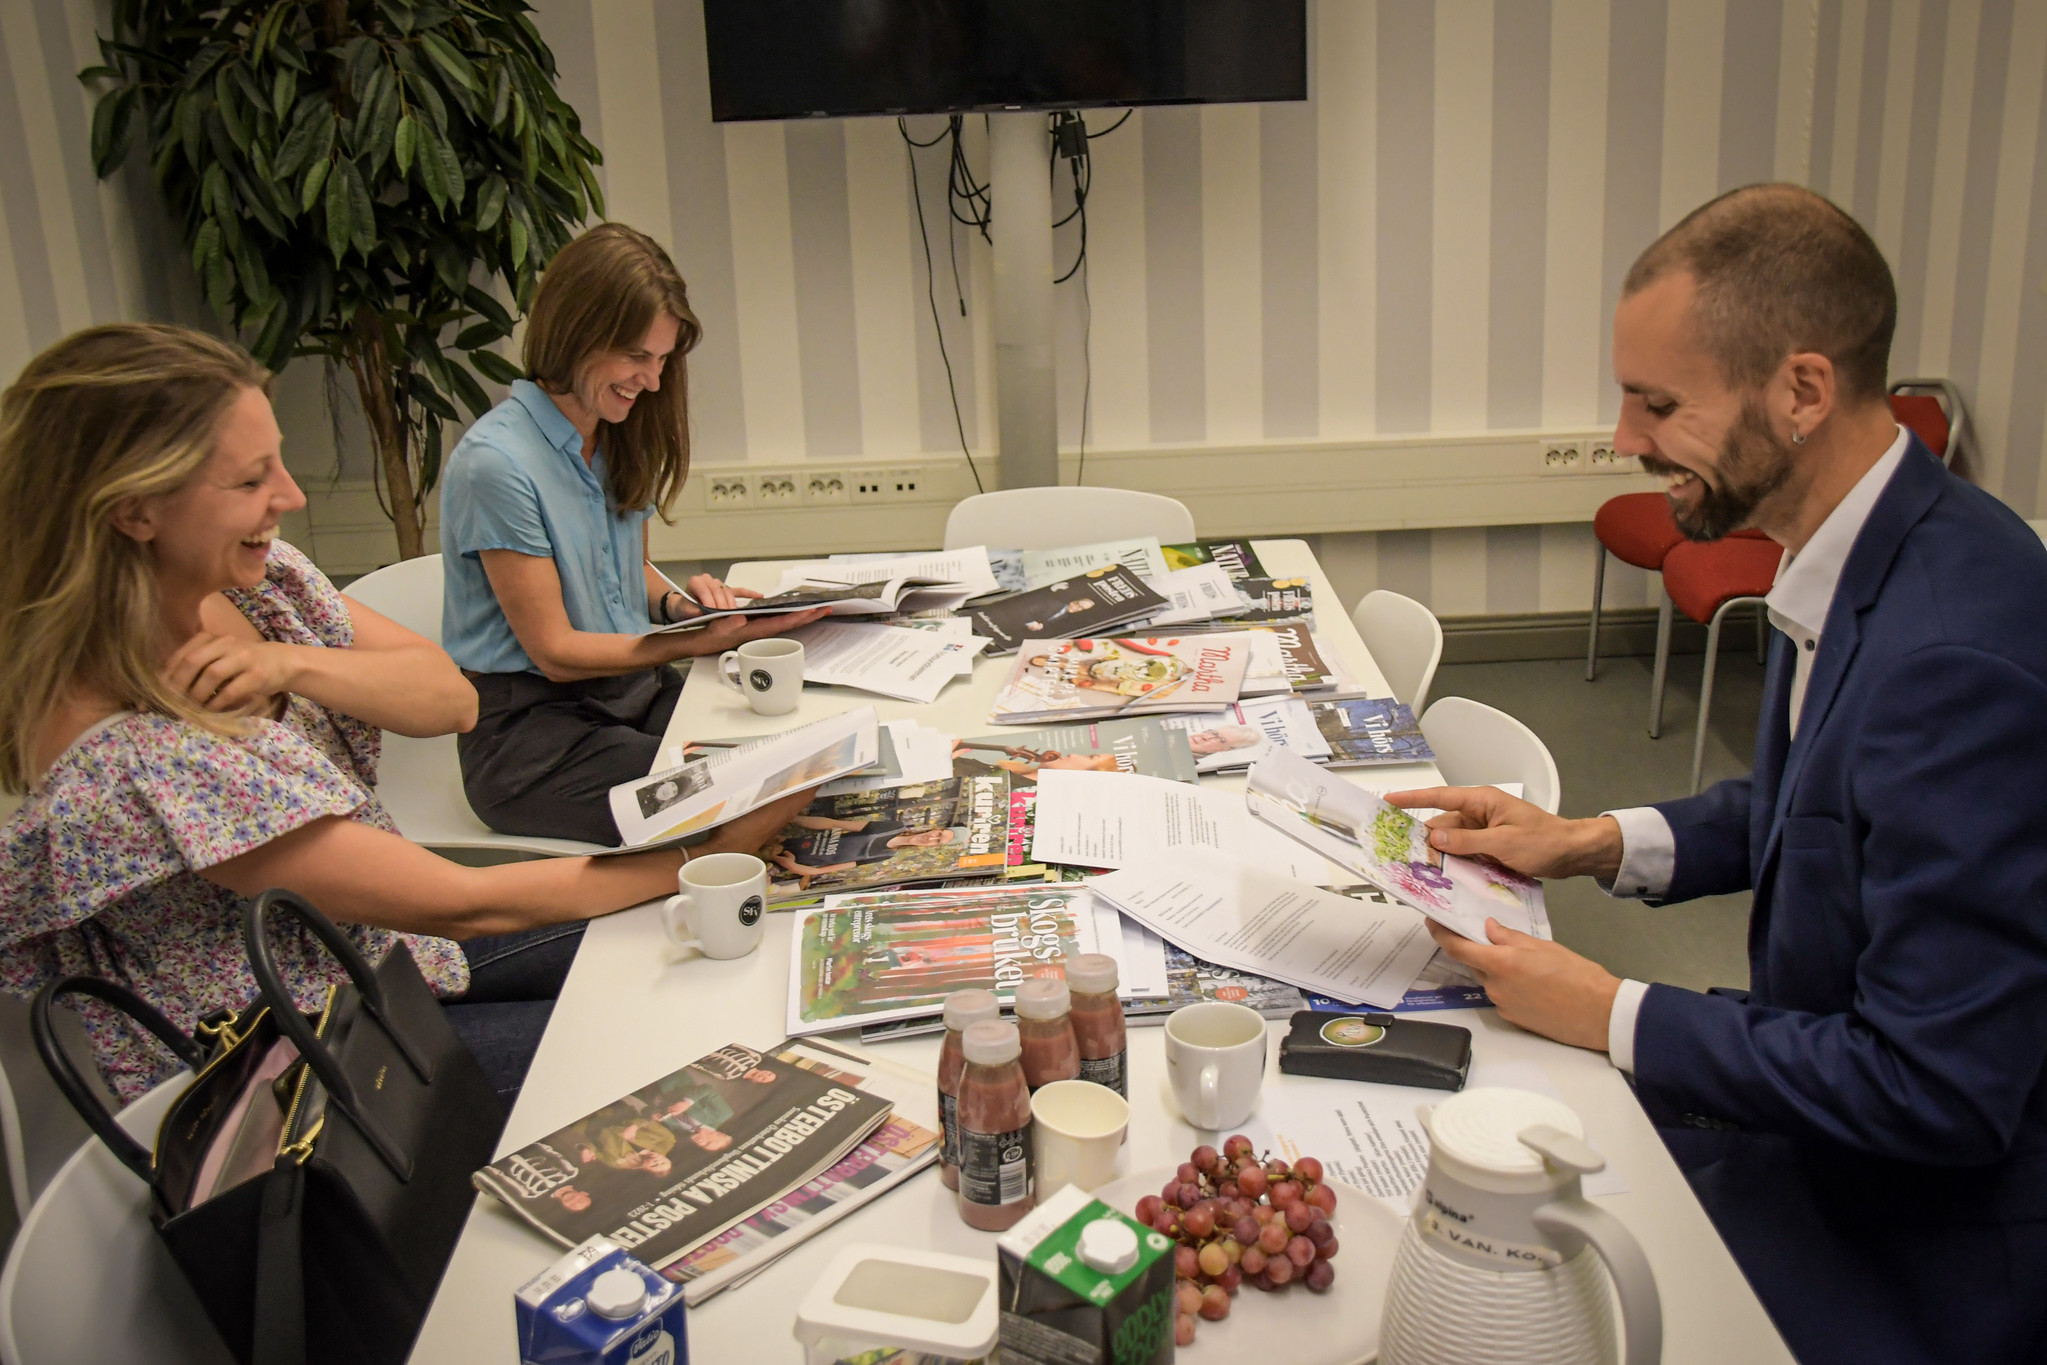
1636, 529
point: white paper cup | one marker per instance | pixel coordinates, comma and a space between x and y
723, 904
1078, 1128
769, 673
1215, 1062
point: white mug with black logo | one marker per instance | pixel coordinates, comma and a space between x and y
724, 898
768, 672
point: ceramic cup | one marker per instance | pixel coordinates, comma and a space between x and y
1215, 1062
723, 901
768, 672
1077, 1129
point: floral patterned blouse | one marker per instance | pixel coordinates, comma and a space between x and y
99, 868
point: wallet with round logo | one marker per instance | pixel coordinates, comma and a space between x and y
1366, 1046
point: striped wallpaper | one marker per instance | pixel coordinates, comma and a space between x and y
1432, 243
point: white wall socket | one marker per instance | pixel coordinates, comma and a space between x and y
1604, 459
824, 487
728, 491
1563, 457
775, 490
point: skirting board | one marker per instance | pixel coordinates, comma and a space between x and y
1562, 635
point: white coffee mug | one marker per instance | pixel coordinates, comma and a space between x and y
768, 672
1215, 1062
723, 902
1077, 1129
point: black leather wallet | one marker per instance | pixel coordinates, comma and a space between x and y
1376, 1047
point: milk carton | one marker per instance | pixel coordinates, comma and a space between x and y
1083, 1285
599, 1306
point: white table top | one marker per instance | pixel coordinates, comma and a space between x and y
635, 1008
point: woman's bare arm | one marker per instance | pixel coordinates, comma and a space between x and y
358, 874
528, 589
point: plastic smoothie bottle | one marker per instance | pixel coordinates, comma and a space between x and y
1044, 1020
994, 1128
1098, 1021
961, 1009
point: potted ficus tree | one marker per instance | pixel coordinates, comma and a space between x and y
353, 178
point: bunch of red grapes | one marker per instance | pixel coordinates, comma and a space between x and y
1241, 1220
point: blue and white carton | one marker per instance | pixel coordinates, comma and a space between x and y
599, 1306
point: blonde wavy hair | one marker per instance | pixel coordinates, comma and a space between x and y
600, 294
102, 418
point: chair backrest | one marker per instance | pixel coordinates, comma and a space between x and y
1933, 408
89, 1279
1406, 641
1047, 518
39, 1127
409, 592
1477, 745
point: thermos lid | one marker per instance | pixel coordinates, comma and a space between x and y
1091, 973
991, 1043
1043, 997
1482, 1128
970, 1007
1108, 1245
617, 1294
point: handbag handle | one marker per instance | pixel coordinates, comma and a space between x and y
43, 1026
341, 1091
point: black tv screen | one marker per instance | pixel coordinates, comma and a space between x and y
779, 59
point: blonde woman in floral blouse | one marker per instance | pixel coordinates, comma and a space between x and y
194, 714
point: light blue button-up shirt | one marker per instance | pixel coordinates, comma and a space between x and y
517, 481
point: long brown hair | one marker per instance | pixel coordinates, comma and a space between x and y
600, 294
102, 418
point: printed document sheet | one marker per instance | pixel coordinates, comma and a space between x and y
1093, 819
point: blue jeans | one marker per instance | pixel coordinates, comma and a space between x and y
513, 982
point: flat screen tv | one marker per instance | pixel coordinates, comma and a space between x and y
782, 59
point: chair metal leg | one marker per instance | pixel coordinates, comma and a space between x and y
1706, 693
1598, 591
1663, 611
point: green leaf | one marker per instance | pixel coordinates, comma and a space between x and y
297, 147
480, 301
309, 193
517, 229
113, 127
191, 124
383, 127
490, 202
481, 334
451, 171
456, 65
469, 391
500, 94
204, 243
495, 367
362, 215
403, 143
337, 214
226, 99
423, 90
283, 92
430, 168
591, 187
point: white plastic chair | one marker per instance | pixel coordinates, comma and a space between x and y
1406, 641
89, 1279
2039, 528
1478, 745
38, 1126
420, 780
1047, 518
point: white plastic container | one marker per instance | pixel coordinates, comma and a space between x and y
873, 1296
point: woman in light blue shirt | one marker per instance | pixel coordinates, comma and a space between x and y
549, 598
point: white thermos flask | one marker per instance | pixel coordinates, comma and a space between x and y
1504, 1260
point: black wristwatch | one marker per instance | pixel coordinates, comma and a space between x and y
667, 618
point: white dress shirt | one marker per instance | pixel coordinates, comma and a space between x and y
1798, 604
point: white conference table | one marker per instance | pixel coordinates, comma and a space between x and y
635, 1007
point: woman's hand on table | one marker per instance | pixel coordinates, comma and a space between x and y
1542, 986
1485, 822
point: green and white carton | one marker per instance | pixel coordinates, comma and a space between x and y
1083, 1285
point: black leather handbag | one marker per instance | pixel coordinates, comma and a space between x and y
312, 1181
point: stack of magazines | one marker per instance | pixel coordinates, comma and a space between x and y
713, 1171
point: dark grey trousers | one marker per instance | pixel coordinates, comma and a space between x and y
544, 755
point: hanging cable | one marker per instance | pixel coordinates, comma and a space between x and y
910, 146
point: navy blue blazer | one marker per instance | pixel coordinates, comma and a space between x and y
1896, 1025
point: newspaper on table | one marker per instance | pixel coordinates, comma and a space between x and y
872, 957
954, 630
904, 1145
664, 808
1388, 847
1197, 594
1244, 917
1248, 730
1113, 820
966, 569
909, 665
1141, 555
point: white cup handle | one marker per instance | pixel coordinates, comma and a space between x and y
1211, 1096
675, 919
728, 669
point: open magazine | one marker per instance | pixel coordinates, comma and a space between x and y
664, 808
1092, 679
882, 598
1389, 848
872, 957
666, 1168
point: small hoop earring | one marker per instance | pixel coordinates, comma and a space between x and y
1798, 438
